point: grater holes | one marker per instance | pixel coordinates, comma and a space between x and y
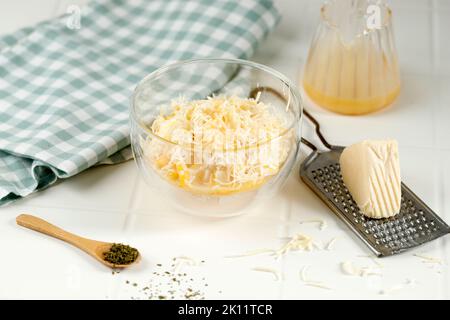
409, 227
393, 233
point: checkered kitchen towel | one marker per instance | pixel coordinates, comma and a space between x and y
64, 90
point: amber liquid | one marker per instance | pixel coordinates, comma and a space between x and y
351, 79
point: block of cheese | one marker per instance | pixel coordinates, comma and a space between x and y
371, 172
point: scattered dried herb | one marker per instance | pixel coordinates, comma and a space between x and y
120, 254
171, 284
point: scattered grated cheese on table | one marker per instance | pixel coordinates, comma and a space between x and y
318, 285
297, 242
311, 283
330, 244
275, 273
350, 269
428, 259
322, 223
398, 287
303, 274
184, 260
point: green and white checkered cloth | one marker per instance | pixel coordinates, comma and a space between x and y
64, 92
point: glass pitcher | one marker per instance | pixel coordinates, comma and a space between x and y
352, 63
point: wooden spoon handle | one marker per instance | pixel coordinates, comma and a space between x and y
40, 225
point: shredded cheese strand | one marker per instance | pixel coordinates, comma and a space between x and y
349, 268
322, 223
428, 259
330, 244
297, 242
303, 274
184, 260
275, 273
318, 285
398, 287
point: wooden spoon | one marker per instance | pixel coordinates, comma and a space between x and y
92, 247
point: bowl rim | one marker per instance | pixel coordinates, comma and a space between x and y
294, 91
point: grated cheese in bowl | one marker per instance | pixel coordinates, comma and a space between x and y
221, 145
215, 137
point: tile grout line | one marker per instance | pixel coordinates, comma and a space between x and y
441, 206
56, 9
435, 54
39, 207
438, 182
127, 223
285, 223
131, 203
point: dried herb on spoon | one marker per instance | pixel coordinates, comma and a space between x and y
120, 254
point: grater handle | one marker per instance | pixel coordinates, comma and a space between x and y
309, 144
318, 132
253, 93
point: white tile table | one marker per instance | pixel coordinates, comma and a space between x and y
113, 203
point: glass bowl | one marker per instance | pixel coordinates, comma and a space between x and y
213, 179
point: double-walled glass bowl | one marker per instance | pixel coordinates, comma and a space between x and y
195, 177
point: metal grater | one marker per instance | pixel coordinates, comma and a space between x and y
416, 223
